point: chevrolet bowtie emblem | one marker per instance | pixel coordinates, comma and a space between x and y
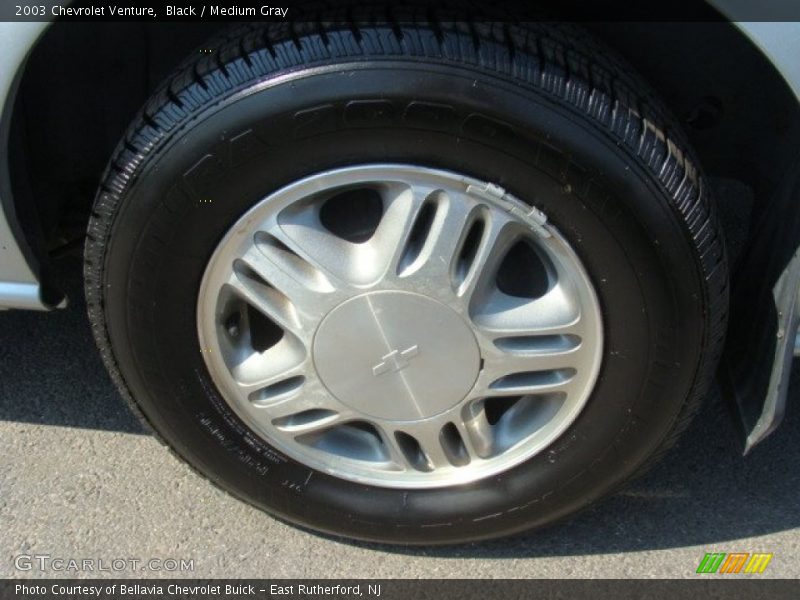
395, 361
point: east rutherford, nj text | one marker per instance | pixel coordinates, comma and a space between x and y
323, 590
214, 10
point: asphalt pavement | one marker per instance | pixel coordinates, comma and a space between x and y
79, 478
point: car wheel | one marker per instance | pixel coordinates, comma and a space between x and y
421, 283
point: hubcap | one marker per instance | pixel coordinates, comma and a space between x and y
408, 357
400, 326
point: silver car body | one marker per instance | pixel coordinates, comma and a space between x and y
19, 281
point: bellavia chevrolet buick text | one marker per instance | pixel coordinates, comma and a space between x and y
414, 279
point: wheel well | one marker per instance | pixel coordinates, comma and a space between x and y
738, 112
83, 84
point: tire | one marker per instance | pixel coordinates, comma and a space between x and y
542, 112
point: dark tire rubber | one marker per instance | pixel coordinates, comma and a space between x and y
542, 111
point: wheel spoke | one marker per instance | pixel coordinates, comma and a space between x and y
397, 453
305, 409
520, 383
476, 433
438, 239
309, 422
309, 291
555, 313
306, 237
401, 214
348, 262
420, 445
273, 373
475, 271
252, 289
498, 363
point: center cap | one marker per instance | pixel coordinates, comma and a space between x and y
406, 357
